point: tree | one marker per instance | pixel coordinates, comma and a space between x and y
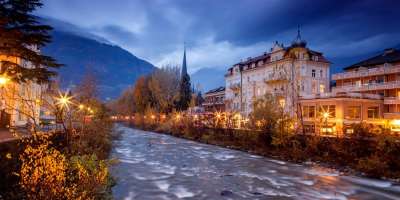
163, 84
141, 94
185, 92
21, 37
87, 88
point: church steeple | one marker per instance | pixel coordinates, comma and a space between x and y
184, 67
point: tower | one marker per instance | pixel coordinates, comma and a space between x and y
185, 92
184, 66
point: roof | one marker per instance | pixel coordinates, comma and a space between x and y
219, 89
388, 56
266, 56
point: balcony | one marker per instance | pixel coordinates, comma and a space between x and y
367, 87
276, 77
391, 100
391, 115
235, 86
342, 95
380, 70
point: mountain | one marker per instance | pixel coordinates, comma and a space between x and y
114, 67
208, 78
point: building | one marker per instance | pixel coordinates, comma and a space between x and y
214, 100
335, 113
287, 72
377, 75
368, 91
20, 102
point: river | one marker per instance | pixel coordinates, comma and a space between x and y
156, 166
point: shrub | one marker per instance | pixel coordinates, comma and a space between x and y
373, 165
43, 172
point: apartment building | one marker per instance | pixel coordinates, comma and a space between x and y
368, 91
214, 100
377, 75
289, 73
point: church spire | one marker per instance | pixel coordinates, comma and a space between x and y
298, 41
184, 67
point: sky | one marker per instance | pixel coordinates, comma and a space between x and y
219, 33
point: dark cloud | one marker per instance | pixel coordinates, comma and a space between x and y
233, 29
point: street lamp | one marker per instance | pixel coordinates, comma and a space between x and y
4, 80
64, 100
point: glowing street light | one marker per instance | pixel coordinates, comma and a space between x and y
81, 106
64, 100
4, 80
325, 115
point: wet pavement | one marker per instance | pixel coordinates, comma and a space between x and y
156, 166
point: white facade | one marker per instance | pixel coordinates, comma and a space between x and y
287, 72
20, 102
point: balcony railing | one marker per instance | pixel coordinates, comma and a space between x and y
367, 87
391, 100
348, 95
382, 69
235, 86
276, 77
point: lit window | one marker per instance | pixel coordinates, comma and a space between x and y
373, 112
282, 102
309, 111
321, 88
330, 109
353, 112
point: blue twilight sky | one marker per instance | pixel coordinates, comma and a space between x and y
219, 33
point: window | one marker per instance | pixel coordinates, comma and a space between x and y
373, 112
314, 87
353, 112
321, 88
313, 73
321, 73
330, 109
309, 111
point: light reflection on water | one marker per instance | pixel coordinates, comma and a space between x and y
155, 166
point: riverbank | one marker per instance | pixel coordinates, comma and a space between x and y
376, 157
58, 164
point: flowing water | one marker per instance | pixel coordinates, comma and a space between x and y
156, 166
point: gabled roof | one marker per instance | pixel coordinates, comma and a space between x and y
219, 89
388, 56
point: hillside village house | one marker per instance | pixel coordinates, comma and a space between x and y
19, 102
286, 72
368, 91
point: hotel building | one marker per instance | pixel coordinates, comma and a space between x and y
368, 91
214, 100
289, 73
